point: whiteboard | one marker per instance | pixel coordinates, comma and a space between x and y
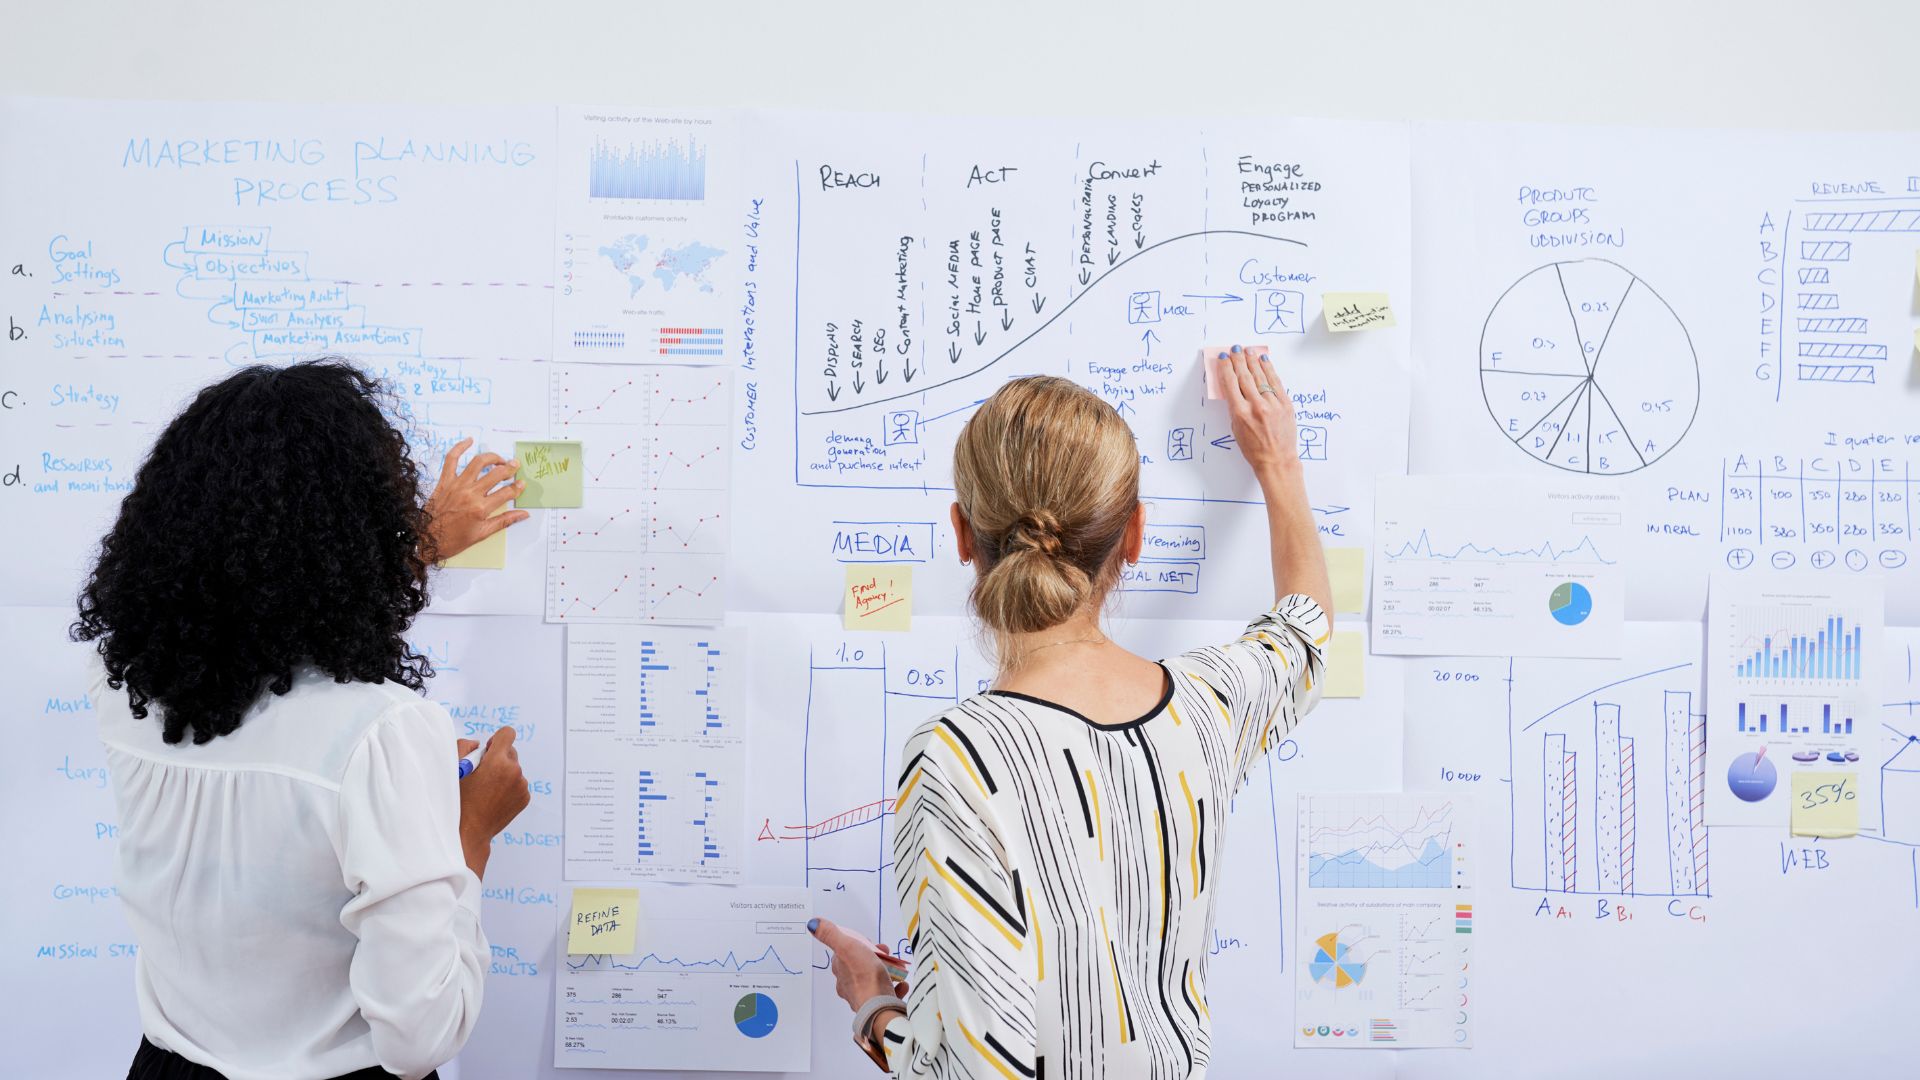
1424, 213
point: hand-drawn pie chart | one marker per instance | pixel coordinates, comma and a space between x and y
1584, 367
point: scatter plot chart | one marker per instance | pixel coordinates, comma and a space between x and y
656, 753
649, 544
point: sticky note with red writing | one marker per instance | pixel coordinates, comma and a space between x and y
1216, 368
878, 597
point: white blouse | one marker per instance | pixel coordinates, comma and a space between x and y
297, 887
1057, 875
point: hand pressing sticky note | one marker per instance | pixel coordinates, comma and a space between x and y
603, 921
488, 554
1826, 803
1349, 311
878, 597
1346, 675
555, 475
1347, 567
1215, 369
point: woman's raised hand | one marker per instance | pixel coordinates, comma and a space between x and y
465, 506
1261, 412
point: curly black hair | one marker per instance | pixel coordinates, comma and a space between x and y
276, 523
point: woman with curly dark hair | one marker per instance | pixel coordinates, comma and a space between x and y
298, 858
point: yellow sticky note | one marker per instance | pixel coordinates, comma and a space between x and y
878, 597
1347, 566
603, 921
1347, 311
554, 472
1826, 803
488, 554
1346, 665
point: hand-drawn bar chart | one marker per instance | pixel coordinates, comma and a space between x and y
1580, 799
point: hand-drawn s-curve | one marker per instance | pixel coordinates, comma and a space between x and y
1068, 306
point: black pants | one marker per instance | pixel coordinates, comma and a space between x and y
152, 1063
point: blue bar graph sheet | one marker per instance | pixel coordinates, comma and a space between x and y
1793, 682
656, 754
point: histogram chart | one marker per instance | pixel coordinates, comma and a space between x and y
1385, 921
1464, 567
1833, 652
1795, 665
656, 754
674, 168
717, 979
650, 541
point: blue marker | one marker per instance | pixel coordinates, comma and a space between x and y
471, 761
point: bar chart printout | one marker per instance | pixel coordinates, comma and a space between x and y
656, 753
1793, 679
718, 979
1385, 921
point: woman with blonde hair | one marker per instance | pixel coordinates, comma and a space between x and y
1057, 838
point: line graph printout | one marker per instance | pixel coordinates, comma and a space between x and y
1520, 567
1385, 921
656, 753
718, 979
1794, 680
646, 244
650, 543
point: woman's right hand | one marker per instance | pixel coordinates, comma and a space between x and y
1263, 417
491, 796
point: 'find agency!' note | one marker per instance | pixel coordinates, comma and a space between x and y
603, 921
878, 597
554, 473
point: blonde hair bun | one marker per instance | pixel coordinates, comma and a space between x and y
1048, 477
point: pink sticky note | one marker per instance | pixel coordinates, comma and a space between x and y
1212, 366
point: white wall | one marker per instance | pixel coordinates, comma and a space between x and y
1760, 63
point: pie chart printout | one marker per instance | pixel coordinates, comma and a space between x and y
1570, 603
755, 1015
1584, 367
1751, 777
1331, 964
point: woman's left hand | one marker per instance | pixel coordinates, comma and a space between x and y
858, 975
465, 506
